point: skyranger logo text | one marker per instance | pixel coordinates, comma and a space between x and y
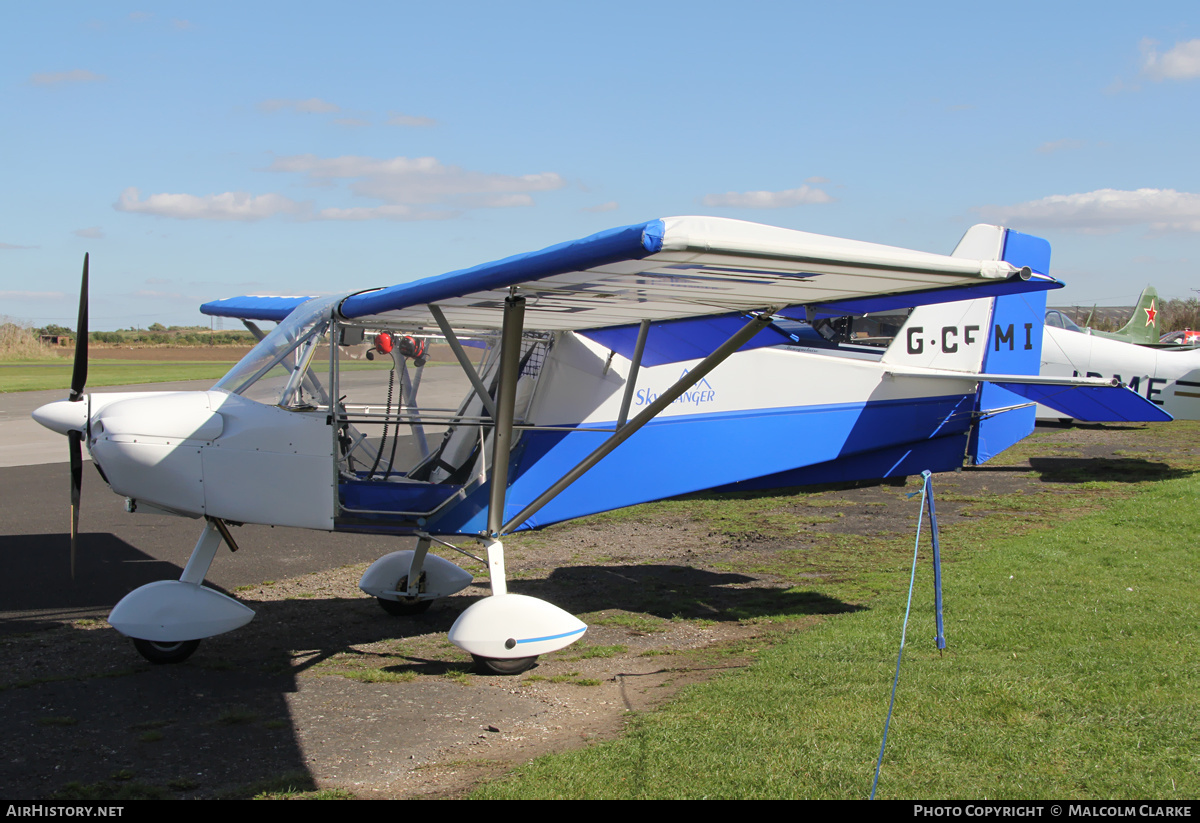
697, 395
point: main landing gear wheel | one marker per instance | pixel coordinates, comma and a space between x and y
514, 665
406, 606
160, 652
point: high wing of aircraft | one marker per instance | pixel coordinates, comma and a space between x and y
1143, 327
639, 363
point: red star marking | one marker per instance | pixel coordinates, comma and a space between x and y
1151, 313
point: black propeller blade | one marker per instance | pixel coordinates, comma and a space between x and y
79, 375
78, 382
73, 440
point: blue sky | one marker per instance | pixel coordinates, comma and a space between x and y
205, 150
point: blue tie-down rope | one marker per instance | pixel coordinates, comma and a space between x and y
926, 501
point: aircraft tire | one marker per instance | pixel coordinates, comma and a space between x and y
405, 606
163, 653
515, 665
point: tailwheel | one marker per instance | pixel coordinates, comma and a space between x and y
406, 606
513, 665
160, 652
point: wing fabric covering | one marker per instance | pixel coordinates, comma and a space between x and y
671, 269
677, 267
254, 307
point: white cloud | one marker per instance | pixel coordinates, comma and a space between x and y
12, 246
227, 206
421, 180
395, 212
611, 205
1180, 63
767, 199
91, 233
817, 180
313, 105
397, 119
405, 189
1105, 211
55, 78
31, 295
1066, 144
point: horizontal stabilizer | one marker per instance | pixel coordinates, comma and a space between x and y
254, 307
1092, 404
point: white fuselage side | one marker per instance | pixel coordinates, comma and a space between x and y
585, 393
216, 454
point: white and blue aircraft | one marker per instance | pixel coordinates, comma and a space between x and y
640, 363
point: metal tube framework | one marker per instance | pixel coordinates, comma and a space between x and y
510, 365
735, 342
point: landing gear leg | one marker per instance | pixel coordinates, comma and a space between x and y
411, 604
167, 619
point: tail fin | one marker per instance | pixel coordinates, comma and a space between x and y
1143, 327
951, 335
1014, 346
1001, 335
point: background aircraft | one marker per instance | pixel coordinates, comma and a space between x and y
635, 364
1143, 326
1169, 377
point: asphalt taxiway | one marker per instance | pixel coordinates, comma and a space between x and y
118, 551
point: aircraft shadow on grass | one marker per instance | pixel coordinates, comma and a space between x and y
1103, 469
662, 591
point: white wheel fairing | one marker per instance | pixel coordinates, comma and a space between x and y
169, 611
442, 578
507, 626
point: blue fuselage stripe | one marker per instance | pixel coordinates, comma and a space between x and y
692, 452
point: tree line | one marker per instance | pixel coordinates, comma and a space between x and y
1175, 314
155, 334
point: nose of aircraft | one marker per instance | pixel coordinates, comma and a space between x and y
63, 416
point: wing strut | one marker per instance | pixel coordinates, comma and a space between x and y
741, 336
506, 397
463, 360
636, 364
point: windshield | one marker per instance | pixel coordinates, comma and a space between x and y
1059, 320
271, 372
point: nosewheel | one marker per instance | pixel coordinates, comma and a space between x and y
514, 665
160, 652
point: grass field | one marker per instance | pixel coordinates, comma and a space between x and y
35, 376
1071, 672
42, 375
